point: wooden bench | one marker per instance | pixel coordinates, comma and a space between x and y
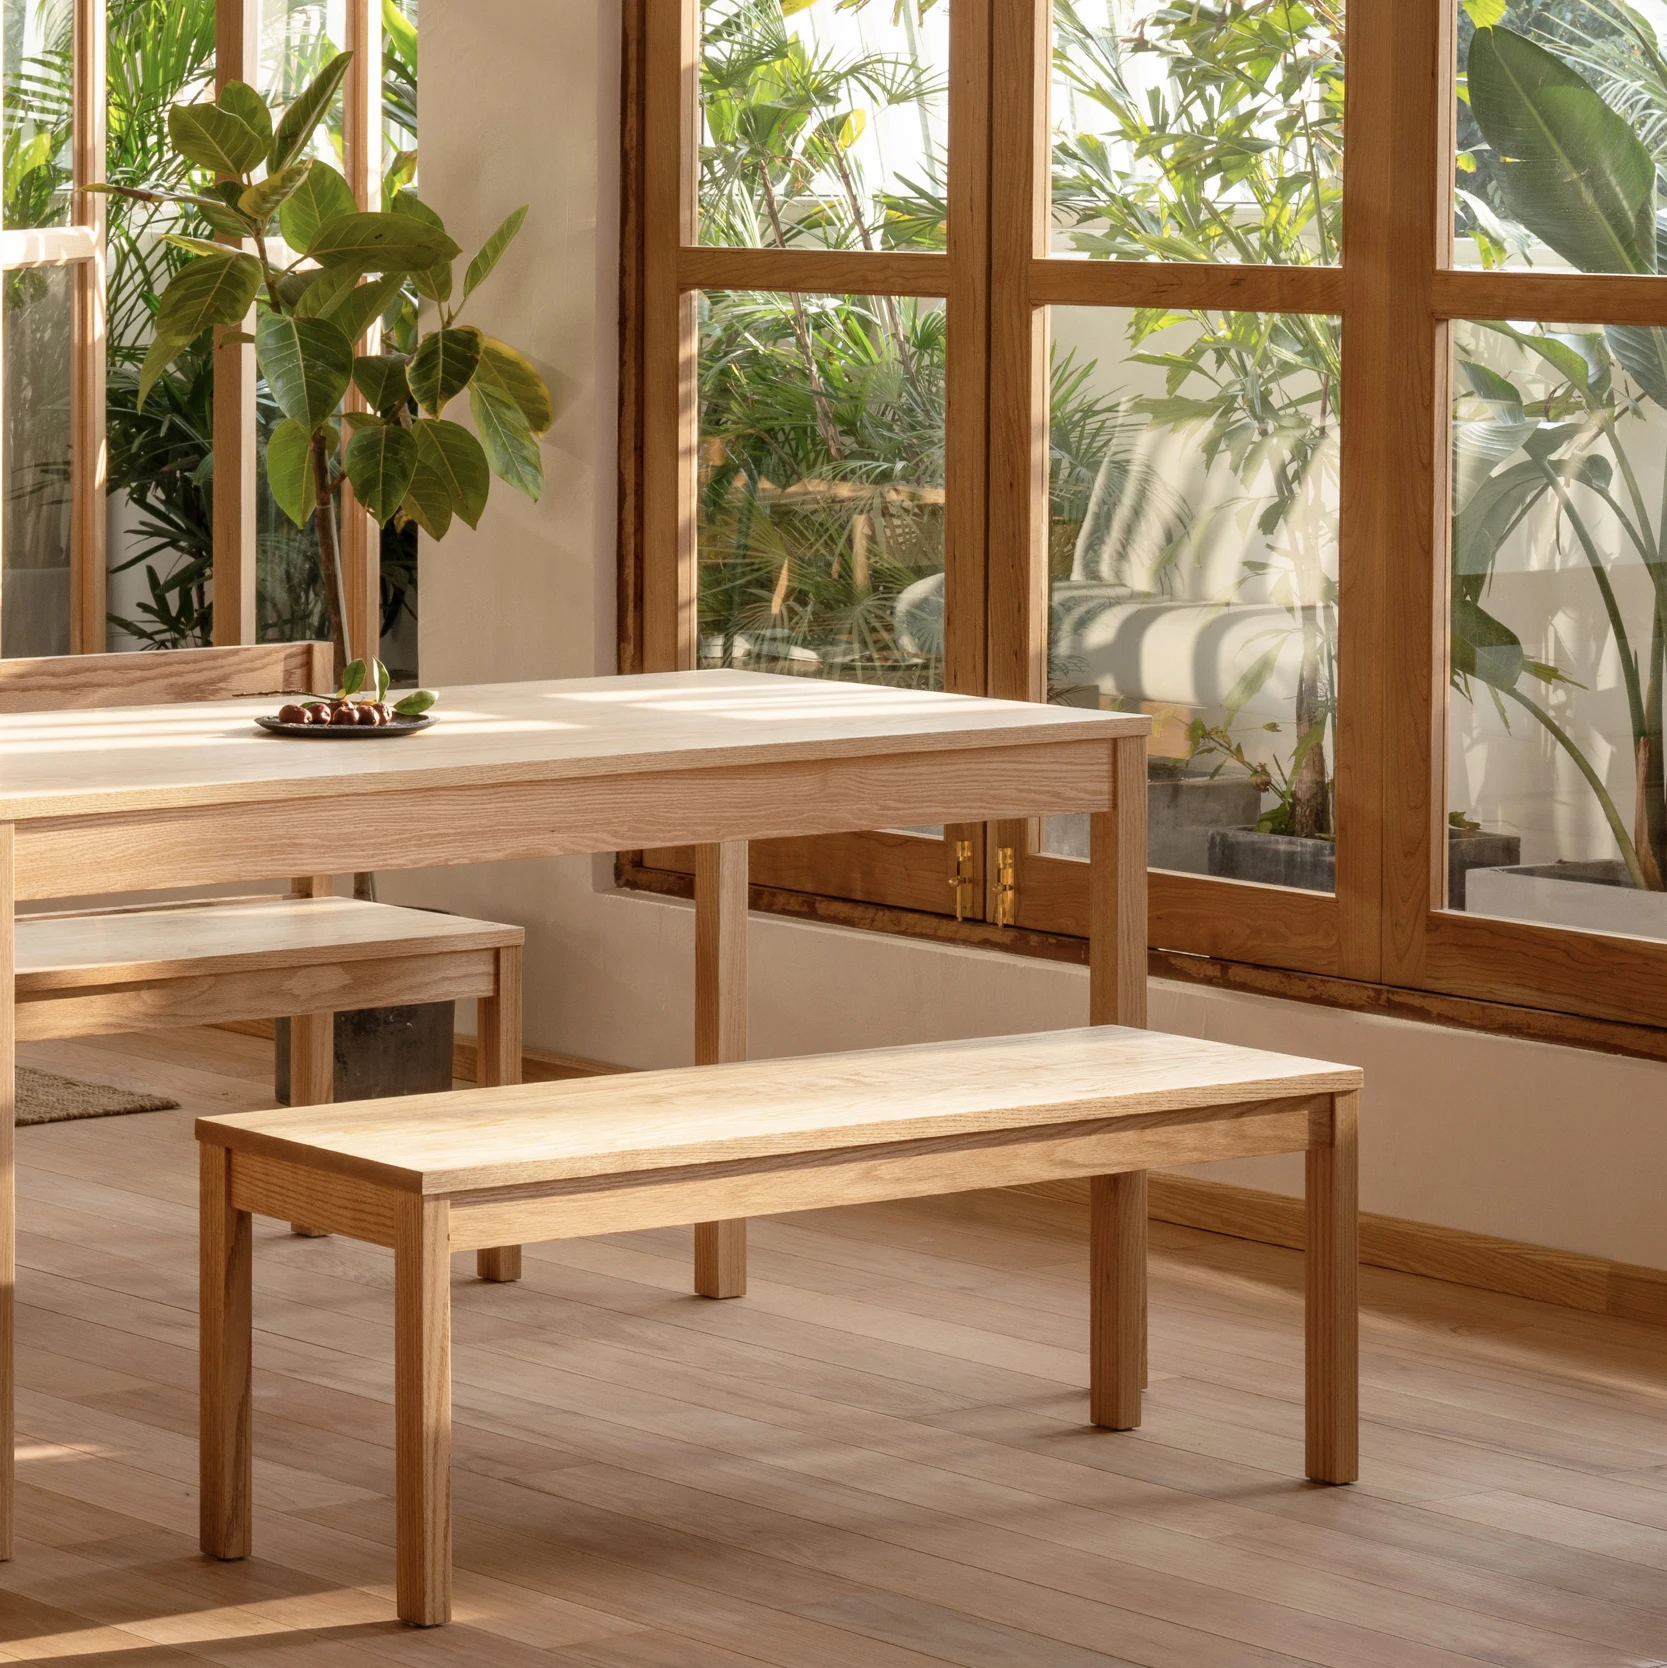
304, 956
432, 1174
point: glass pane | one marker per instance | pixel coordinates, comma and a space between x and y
821, 486
1559, 621
1193, 566
824, 124
34, 604
1198, 132
399, 143
160, 503
297, 38
1562, 128
39, 112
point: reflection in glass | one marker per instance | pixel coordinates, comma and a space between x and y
824, 124
1198, 132
39, 112
34, 603
1561, 132
821, 495
1559, 622
1193, 561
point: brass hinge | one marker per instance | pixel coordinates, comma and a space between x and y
961, 881
1007, 891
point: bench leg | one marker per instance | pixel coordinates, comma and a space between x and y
1117, 1299
1333, 1301
312, 1075
422, 1407
498, 1060
721, 1031
225, 1382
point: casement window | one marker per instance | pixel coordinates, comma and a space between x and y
98, 499
1303, 378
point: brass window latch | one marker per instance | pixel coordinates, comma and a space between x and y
961, 882
1007, 891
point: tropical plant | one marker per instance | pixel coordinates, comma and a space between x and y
405, 460
1235, 156
1572, 170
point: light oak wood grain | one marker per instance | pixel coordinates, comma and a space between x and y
8, 1197
422, 1408
721, 1031
1110, 1106
56, 683
67, 765
829, 271
498, 1061
226, 1251
1074, 282
540, 1133
89, 449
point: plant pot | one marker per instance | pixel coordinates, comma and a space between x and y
382, 1052
1593, 897
1181, 811
1273, 859
1468, 852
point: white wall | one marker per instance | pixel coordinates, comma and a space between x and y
1554, 1146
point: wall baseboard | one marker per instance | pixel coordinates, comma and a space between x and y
1623, 1290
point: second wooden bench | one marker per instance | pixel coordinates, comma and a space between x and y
430, 1175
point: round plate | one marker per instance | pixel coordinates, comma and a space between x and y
344, 732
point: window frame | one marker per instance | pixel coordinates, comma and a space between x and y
1396, 292
81, 244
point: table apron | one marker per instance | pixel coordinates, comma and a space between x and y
370, 827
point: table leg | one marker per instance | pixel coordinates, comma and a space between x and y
422, 1407
498, 1060
312, 1040
225, 1373
1332, 1316
1117, 937
1117, 1298
8, 1189
721, 1030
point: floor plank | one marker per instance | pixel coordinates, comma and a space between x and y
876, 1460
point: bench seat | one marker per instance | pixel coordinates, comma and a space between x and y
200, 963
430, 1175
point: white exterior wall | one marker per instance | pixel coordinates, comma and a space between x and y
1555, 1146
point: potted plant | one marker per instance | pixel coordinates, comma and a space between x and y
1557, 417
318, 271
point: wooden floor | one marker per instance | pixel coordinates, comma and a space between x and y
876, 1460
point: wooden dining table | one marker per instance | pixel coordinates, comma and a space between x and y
142, 798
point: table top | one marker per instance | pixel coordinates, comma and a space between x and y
80, 763
539, 1133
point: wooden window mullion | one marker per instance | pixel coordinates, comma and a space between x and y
88, 452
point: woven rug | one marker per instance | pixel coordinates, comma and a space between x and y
43, 1097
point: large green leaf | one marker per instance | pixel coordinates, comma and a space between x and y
457, 458
289, 470
1571, 168
491, 252
509, 443
381, 460
381, 379
520, 381
248, 106
380, 243
406, 201
321, 197
1642, 349
163, 351
213, 289
428, 500
444, 362
215, 138
1483, 647
307, 363
363, 303
263, 199
306, 111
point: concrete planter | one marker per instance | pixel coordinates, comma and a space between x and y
1592, 897
382, 1052
1311, 865
1181, 811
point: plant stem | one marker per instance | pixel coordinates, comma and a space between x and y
1629, 852
329, 551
